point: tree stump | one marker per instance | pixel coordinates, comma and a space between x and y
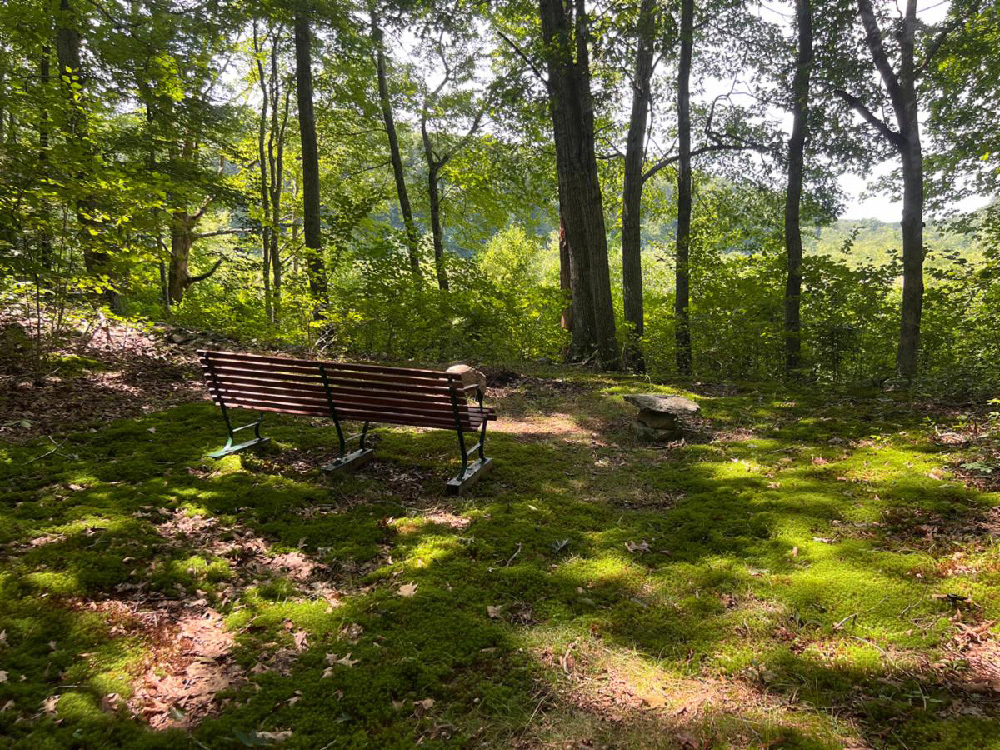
660, 418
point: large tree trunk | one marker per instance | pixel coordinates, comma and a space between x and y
68, 40
635, 153
412, 237
310, 163
565, 277
793, 193
580, 200
181, 241
682, 297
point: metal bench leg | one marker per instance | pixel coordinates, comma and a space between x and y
471, 472
347, 461
230, 446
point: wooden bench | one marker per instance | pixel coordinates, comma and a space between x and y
349, 393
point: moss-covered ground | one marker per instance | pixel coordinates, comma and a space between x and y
807, 570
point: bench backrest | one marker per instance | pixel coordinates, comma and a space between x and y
394, 395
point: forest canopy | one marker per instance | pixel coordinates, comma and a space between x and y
642, 184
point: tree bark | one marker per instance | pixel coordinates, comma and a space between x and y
565, 277
181, 241
903, 95
793, 193
68, 40
45, 235
682, 295
580, 200
266, 226
412, 237
311, 226
635, 154
434, 198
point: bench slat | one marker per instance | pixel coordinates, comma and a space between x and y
312, 375
352, 414
310, 383
312, 398
358, 367
333, 369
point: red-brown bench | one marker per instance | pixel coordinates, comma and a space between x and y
347, 392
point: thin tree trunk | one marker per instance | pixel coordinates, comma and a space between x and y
793, 193
908, 121
412, 237
903, 94
635, 153
580, 199
45, 235
276, 156
682, 295
434, 198
266, 225
310, 163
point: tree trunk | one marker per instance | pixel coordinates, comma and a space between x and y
682, 295
412, 237
68, 42
565, 277
902, 90
580, 199
181, 240
793, 193
635, 154
310, 163
907, 117
45, 235
434, 198
276, 157
266, 226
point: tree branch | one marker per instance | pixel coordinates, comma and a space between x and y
873, 38
202, 276
524, 56
220, 232
880, 125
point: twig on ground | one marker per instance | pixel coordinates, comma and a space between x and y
516, 553
47, 453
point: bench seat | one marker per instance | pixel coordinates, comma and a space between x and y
348, 392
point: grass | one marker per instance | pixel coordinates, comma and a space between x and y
781, 580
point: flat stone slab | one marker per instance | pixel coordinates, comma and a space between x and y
678, 406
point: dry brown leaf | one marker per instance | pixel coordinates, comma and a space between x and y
407, 590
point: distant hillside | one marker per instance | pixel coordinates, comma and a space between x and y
880, 242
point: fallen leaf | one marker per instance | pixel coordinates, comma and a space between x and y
3, 676
347, 661
493, 611
642, 546
407, 590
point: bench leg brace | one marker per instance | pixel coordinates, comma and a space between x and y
346, 460
349, 461
230, 447
471, 472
